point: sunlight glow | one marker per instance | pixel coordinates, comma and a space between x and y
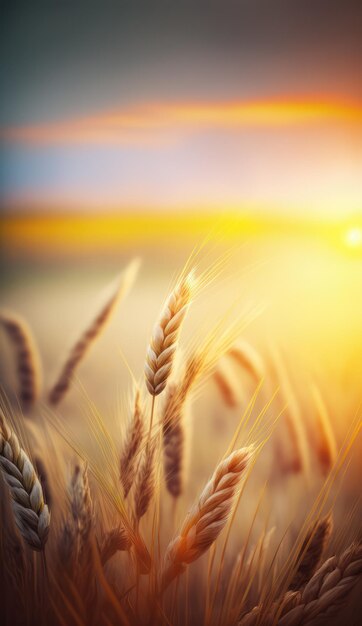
353, 237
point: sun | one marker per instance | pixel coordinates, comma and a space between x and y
353, 237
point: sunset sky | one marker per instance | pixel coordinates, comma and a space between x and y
182, 106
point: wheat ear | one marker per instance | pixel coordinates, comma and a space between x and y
44, 480
27, 358
175, 402
225, 389
82, 511
201, 362
113, 541
208, 516
145, 482
131, 447
74, 540
173, 447
324, 594
328, 589
249, 359
81, 502
323, 436
87, 339
68, 546
12, 553
311, 552
298, 459
260, 616
31, 514
161, 351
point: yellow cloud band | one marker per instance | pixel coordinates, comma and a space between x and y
162, 121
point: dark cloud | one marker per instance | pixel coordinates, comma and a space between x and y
61, 58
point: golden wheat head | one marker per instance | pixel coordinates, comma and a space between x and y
131, 447
81, 502
145, 482
161, 351
208, 516
328, 589
173, 445
113, 541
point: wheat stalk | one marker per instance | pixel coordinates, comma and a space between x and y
173, 446
81, 347
131, 447
311, 552
208, 516
161, 351
115, 540
27, 358
31, 514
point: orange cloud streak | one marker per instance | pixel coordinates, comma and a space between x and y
160, 121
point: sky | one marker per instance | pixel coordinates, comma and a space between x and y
181, 106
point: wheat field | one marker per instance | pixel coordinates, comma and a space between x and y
177, 450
